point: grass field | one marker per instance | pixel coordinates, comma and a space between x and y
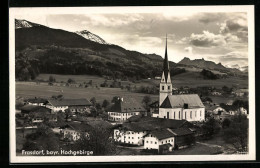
191, 79
31, 89
194, 79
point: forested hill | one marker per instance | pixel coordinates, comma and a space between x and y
40, 49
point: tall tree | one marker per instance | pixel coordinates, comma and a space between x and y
237, 133
146, 101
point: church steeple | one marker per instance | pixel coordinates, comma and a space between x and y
166, 68
166, 84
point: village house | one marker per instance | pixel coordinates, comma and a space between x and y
74, 105
123, 109
158, 137
241, 92
154, 108
230, 102
38, 117
168, 139
28, 108
135, 128
217, 112
38, 114
73, 130
178, 107
36, 101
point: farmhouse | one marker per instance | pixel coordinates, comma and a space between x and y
135, 128
178, 107
74, 105
123, 109
28, 108
73, 130
170, 138
158, 137
38, 117
36, 101
241, 92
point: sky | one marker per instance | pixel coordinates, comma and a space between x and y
221, 37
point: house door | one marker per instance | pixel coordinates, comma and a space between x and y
167, 115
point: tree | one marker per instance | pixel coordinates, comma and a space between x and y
226, 123
146, 100
209, 128
237, 133
90, 82
93, 101
52, 79
105, 103
97, 140
71, 80
43, 139
115, 99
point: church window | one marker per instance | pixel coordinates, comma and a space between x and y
185, 116
162, 87
191, 114
174, 115
200, 112
155, 142
179, 114
195, 113
169, 87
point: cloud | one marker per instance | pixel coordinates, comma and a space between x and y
188, 49
207, 18
206, 39
231, 58
236, 26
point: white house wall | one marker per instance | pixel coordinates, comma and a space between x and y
120, 117
196, 114
151, 142
129, 137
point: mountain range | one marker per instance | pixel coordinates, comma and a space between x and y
41, 49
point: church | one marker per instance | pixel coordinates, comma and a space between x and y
179, 107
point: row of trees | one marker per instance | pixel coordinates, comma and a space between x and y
235, 131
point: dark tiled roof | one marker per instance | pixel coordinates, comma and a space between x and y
181, 131
69, 102
100, 123
140, 123
178, 101
154, 104
126, 106
33, 108
162, 134
36, 100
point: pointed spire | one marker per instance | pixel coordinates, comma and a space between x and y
166, 63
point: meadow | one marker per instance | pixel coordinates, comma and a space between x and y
31, 89
190, 79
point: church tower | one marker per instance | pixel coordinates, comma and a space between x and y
165, 84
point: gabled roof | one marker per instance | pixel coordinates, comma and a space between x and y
36, 100
162, 134
143, 123
181, 131
154, 104
33, 108
69, 102
178, 101
126, 106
